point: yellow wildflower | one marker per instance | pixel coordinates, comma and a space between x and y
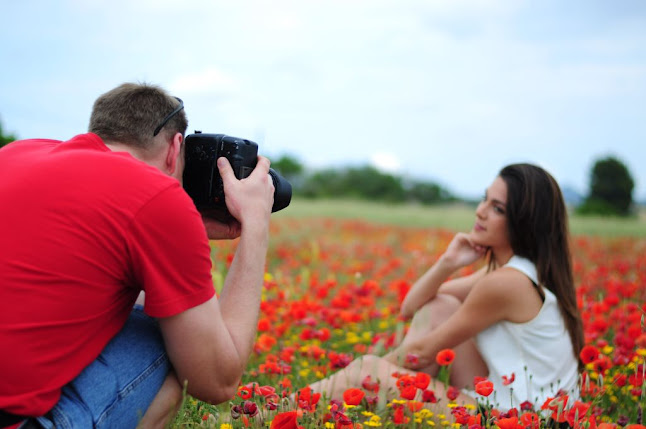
375, 421
424, 413
304, 372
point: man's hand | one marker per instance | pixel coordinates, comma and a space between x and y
249, 200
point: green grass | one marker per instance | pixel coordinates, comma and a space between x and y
457, 217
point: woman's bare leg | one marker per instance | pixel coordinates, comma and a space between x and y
381, 370
467, 363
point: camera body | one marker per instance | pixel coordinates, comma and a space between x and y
202, 179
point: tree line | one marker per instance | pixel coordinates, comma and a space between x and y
361, 182
611, 184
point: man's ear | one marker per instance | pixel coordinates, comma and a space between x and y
173, 153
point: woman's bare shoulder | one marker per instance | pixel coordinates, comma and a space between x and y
512, 290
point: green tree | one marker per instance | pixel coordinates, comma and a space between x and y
5, 138
429, 193
358, 182
611, 189
288, 166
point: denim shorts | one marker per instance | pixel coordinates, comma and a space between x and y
116, 389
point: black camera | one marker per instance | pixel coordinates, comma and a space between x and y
202, 179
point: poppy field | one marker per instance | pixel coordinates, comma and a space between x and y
332, 292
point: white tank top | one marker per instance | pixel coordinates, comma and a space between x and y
538, 353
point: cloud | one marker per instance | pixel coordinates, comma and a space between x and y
208, 80
386, 162
440, 87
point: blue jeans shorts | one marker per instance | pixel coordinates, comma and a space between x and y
116, 389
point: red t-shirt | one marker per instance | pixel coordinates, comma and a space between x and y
83, 230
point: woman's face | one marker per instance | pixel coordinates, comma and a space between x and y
490, 228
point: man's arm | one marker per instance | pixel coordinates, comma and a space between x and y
209, 345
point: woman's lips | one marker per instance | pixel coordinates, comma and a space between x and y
479, 227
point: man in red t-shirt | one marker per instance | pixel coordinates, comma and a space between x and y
89, 224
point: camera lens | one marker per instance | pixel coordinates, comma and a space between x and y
282, 191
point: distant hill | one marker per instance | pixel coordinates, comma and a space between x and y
571, 196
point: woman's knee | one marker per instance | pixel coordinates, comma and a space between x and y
436, 311
446, 302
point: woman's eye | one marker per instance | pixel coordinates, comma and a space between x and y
499, 210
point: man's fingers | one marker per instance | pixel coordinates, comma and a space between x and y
226, 172
262, 166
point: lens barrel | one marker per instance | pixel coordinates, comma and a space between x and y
282, 191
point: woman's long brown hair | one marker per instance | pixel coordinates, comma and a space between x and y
537, 223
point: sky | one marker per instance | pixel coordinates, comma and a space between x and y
446, 91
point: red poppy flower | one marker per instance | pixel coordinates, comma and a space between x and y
484, 388
527, 406
477, 379
266, 390
405, 380
620, 379
264, 325
452, 393
250, 408
412, 359
588, 354
414, 406
530, 420
509, 423
399, 418
307, 400
506, 381
557, 406
408, 392
369, 385
353, 396
636, 379
286, 420
422, 380
461, 415
577, 414
445, 357
245, 392
429, 396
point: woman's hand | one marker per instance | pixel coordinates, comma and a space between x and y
412, 355
462, 251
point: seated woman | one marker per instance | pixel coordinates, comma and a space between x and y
515, 318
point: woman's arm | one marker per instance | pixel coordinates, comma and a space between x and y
495, 297
460, 252
425, 288
461, 286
